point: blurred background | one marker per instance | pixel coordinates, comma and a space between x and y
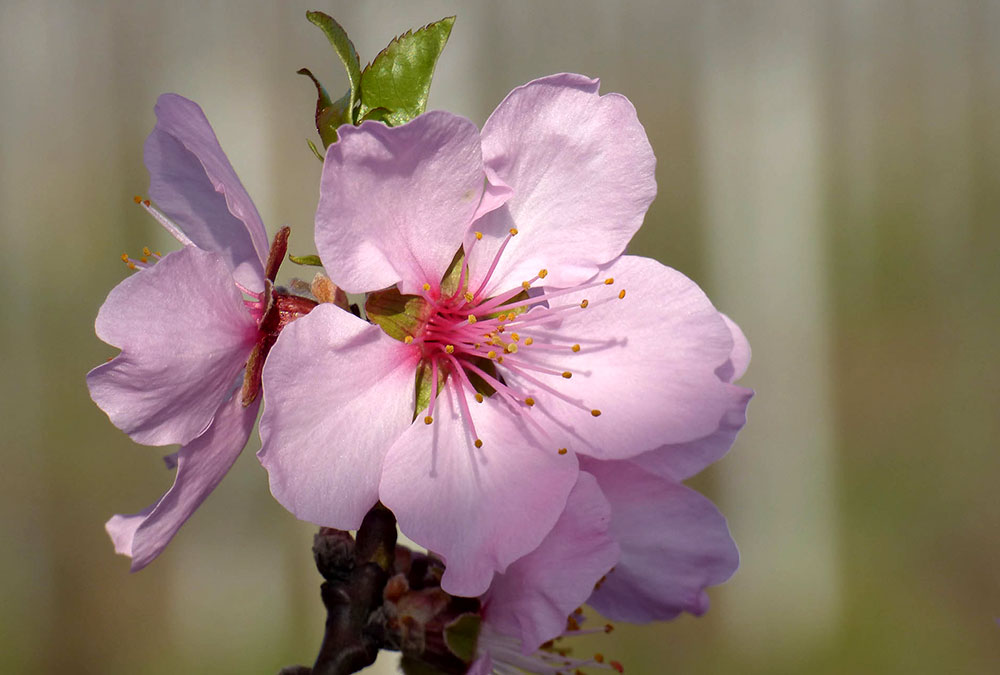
829, 172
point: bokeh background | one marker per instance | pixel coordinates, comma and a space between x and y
828, 171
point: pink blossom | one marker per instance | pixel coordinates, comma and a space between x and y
580, 351
633, 543
183, 326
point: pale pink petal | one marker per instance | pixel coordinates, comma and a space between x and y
739, 359
201, 464
683, 460
185, 334
481, 509
582, 171
533, 598
495, 195
646, 362
193, 183
674, 544
395, 202
338, 393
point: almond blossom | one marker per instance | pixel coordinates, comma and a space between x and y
514, 341
187, 323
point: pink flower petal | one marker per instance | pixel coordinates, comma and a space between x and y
338, 393
647, 363
739, 358
395, 202
201, 465
483, 665
683, 460
582, 171
532, 599
185, 334
193, 183
674, 543
481, 509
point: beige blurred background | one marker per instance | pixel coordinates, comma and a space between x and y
828, 172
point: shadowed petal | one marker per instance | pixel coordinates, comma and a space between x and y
201, 465
395, 202
674, 543
647, 363
185, 334
532, 599
338, 393
193, 183
481, 509
582, 171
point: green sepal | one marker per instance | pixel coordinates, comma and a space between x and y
397, 314
399, 78
329, 114
315, 150
377, 114
306, 260
422, 385
462, 636
452, 275
348, 55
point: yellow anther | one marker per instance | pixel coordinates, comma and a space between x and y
137, 199
450, 349
146, 251
479, 235
476, 345
478, 443
608, 628
529, 340
575, 348
621, 294
595, 413
599, 657
584, 303
472, 318
145, 202
469, 297
510, 348
158, 254
515, 337
428, 419
567, 374
511, 316
479, 397
543, 273
530, 401
609, 281
408, 339
125, 258
525, 285
144, 260
427, 286
563, 451
513, 231
132, 266
491, 354
499, 359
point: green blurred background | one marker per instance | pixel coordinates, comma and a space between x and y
828, 172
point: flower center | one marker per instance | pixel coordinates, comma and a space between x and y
474, 343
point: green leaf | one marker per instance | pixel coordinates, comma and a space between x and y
399, 78
329, 114
347, 53
306, 260
377, 114
462, 636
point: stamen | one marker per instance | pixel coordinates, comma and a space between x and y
408, 339
426, 286
529, 341
513, 231
575, 348
479, 397
542, 273
428, 420
584, 303
595, 413
563, 451
567, 374
450, 349
167, 224
621, 294
479, 235
609, 281
530, 401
